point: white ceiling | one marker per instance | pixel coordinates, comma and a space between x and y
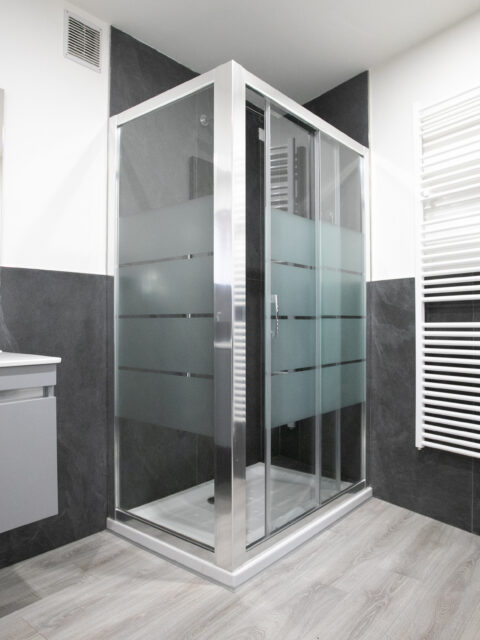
302, 47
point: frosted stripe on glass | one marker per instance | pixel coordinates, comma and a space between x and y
179, 286
294, 347
342, 386
293, 394
342, 248
293, 397
177, 402
292, 238
342, 339
342, 293
295, 288
172, 231
171, 344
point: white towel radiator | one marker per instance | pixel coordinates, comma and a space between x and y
447, 274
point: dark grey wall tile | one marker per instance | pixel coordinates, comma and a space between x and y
138, 72
444, 487
293, 446
255, 287
346, 107
64, 314
450, 311
351, 443
205, 459
156, 461
328, 448
391, 382
434, 483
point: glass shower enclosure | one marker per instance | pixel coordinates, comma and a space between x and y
237, 231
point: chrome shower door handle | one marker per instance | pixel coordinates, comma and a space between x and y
277, 324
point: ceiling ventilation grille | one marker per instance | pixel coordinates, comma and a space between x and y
82, 41
448, 276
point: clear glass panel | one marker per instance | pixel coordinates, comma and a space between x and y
292, 299
164, 400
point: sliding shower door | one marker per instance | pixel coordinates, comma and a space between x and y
314, 319
164, 335
292, 336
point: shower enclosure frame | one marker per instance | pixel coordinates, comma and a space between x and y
230, 562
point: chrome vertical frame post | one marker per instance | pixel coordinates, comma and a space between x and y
315, 172
112, 269
268, 322
229, 315
366, 229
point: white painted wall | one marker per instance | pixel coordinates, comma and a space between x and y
443, 66
55, 156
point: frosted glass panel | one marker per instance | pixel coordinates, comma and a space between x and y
342, 340
164, 350
352, 247
342, 293
295, 288
293, 238
176, 402
293, 396
353, 294
170, 344
171, 287
173, 231
342, 386
294, 347
317, 362
342, 248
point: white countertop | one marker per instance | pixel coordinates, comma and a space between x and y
24, 359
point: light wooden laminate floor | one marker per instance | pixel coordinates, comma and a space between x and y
380, 573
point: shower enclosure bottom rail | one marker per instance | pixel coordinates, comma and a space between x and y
306, 529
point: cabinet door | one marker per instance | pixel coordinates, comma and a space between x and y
28, 462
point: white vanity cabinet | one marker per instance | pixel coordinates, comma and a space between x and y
28, 439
